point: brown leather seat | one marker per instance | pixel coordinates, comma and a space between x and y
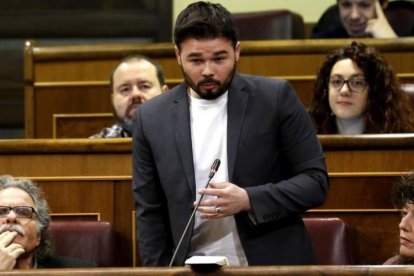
89, 240
266, 25
333, 241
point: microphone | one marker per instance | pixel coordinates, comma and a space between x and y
213, 170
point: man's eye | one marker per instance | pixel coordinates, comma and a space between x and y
144, 87
124, 90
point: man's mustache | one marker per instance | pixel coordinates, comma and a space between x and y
12, 228
209, 80
132, 104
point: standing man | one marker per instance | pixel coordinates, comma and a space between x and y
134, 80
272, 166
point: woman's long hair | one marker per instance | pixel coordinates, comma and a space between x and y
388, 108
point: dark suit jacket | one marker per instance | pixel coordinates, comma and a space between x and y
273, 153
64, 262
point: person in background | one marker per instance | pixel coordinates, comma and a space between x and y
272, 165
403, 199
354, 18
134, 80
24, 222
356, 91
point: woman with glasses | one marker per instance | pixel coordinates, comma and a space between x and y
356, 92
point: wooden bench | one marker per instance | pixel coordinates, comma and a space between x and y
80, 125
74, 79
91, 178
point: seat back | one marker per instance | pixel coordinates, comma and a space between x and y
266, 25
332, 240
400, 15
89, 240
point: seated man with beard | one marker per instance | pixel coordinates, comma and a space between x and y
134, 80
24, 222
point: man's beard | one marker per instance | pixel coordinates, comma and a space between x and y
210, 94
126, 123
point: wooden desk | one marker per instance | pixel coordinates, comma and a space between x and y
93, 176
226, 271
74, 79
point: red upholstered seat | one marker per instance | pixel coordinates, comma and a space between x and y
89, 240
332, 239
266, 25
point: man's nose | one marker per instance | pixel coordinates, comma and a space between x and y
355, 14
207, 69
11, 217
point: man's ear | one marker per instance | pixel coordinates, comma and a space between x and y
165, 88
177, 54
237, 50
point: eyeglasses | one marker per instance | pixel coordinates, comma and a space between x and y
355, 84
20, 211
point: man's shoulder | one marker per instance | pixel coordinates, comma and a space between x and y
257, 78
165, 99
259, 82
64, 262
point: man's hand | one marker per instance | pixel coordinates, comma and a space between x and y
230, 199
9, 252
379, 27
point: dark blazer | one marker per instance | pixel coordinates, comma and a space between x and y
273, 153
64, 262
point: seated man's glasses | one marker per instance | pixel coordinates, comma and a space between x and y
20, 211
355, 83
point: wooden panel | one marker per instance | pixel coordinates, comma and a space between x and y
93, 176
82, 71
110, 198
80, 125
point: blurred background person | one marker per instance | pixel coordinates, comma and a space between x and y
356, 91
134, 80
354, 18
403, 198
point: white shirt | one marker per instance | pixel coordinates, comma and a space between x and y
209, 142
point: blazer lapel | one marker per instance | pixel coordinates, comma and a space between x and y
183, 135
237, 103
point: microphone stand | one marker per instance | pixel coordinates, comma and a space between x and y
213, 170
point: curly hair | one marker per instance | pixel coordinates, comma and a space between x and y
388, 108
41, 207
205, 20
403, 194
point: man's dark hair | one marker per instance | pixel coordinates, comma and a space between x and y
158, 68
205, 20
